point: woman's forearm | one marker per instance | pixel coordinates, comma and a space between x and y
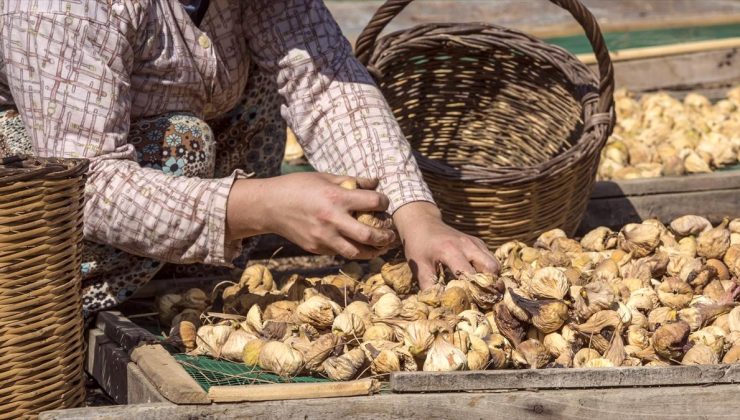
332, 104
246, 209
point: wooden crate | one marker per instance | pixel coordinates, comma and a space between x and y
709, 68
134, 370
616, 203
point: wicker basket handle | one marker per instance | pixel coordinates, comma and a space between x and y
365, 46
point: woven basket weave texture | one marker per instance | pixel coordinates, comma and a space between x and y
41, 340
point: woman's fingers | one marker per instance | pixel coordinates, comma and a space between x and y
353, 250
367, 183
425, 274
362, 183
364, 200
457, 262
481, 258
364, 234
423, 271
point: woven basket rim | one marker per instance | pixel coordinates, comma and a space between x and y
584, 89
457, 32
26, 168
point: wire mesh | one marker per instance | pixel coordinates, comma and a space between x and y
212, 372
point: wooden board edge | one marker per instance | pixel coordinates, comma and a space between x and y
681, 402
140, 389
664, 50
121, 330
168, 376
616, 212
662, 185
107, 363
495, 380
711, 73
571, 29
119, 377
293, 391
156, 363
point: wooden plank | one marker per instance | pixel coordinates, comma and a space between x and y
706, 402
490, 380
156, 363
107, 364
665, 50
684, 71
663, 185
618, 211
650, 23
124, 332
167, 376
116, 374
295, 391
140, 390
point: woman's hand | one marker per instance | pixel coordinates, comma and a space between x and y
427, 240
310, 210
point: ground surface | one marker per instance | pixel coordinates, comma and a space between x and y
527, 14
95, 395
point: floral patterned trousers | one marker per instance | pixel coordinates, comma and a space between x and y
250, 137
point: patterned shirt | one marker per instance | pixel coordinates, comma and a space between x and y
79, 70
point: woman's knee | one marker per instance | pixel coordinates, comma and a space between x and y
14, 139
177, 144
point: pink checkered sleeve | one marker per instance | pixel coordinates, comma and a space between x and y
69, 80
338, 114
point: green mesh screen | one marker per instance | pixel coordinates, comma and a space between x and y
735, 167
210, 372
578, 44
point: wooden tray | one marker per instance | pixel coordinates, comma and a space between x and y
616, 203
131, 367
134, 371
709, 68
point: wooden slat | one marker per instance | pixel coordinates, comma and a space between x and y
156, 363
663, 185
295, 391
139, 389
107, 363
116, 374
675, 403
665, 50
616, 212
167, 376
124, 332
684, 71
572, 29
489, 380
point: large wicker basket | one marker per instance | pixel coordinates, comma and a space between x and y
41, 340
506, 128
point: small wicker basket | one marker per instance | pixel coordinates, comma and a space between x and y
506, 128
41, 339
